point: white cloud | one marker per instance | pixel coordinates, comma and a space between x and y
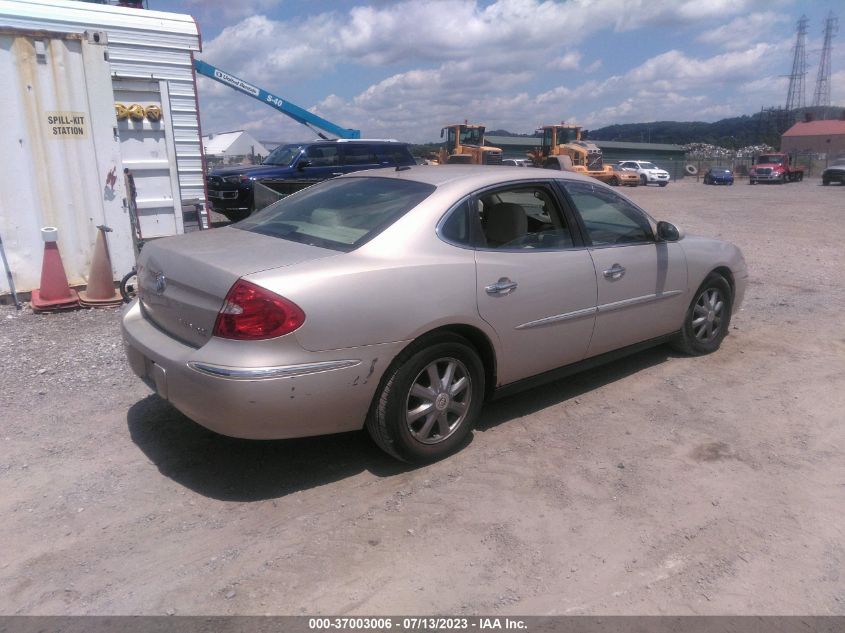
675, 70
570, 61
454, 30
743, 31
448, 60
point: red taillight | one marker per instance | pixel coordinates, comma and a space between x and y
252, 313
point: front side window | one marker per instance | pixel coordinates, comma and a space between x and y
648, 166
524, 217
338, 214
321, 156
608, 219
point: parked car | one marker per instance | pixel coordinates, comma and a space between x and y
648, 172
834, 173
718, 176
401, 300
230, 189
517, 162
623, 177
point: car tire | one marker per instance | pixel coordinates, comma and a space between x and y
417, 421
236, 216
663, 184
825, 182
613, 182
707, 319
643, 180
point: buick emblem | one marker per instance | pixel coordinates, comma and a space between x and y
160, 283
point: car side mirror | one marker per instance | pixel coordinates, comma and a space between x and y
668, 232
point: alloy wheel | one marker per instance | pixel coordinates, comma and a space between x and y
438, 401
708, 314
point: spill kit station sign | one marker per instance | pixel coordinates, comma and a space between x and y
67, 124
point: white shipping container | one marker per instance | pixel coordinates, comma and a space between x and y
66, 65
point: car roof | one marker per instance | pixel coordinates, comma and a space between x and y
475, 175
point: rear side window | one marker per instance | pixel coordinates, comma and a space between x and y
357, 154
339, 214
395, 154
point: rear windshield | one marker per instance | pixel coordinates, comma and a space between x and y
339, 214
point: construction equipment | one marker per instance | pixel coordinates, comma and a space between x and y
300, 115
465, 145
561, 142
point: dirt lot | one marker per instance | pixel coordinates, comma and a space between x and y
658, 484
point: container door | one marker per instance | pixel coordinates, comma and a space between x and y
148, 151
61, 155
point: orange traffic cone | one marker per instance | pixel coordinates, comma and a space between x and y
55, 292
100, 292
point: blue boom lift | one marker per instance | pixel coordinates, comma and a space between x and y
300, 115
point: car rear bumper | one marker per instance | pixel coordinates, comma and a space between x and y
300, 394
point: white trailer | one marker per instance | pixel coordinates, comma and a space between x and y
66, 66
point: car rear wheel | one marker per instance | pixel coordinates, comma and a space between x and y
613, 182
707, 319
429, 399
643, 179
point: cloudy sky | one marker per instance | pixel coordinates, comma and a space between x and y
404, 68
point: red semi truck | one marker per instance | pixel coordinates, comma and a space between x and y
774, 168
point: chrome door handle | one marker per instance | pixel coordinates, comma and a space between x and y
502, 287
614, 272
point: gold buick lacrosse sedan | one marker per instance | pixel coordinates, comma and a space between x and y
402, 299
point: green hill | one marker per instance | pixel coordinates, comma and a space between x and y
735, 132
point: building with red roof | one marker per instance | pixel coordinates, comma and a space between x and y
818, 137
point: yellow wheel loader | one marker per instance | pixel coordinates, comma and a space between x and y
563, 148
465, 145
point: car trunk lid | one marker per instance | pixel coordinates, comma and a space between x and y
184, 280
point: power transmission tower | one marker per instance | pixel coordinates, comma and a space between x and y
795, 97
821, 97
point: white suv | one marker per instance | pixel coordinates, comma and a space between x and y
649, 172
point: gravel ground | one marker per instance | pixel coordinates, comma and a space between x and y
659, 484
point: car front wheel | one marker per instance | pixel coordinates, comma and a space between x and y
643, 179
235, 215
429, 399
707, 319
